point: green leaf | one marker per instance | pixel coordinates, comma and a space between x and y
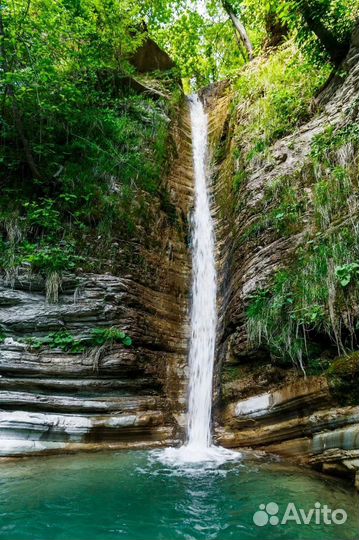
127, 341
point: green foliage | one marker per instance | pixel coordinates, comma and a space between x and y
284, 219
300, 18
50, 258
345, 365
201, 41
315, 296
334, 170
288, 205
42, 257
43, 214
324, 144
67, 342
83, 150
305, 299
100, 336
231, 373
204, 44
347, 273
342, 376
317, 366
239, 178
282, 212
273, 96
331, 193
62, 339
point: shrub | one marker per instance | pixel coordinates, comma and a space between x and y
304, 299
100, 336
68, 342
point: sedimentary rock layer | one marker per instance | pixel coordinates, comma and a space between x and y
261, 405
117, 397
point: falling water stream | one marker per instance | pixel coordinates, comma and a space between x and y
204, 287
198, 446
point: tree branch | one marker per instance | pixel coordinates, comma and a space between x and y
241, 32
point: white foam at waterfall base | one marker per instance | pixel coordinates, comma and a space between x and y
213, 456
198, 447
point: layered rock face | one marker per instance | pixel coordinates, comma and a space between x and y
298, 420
260, 404
112, 397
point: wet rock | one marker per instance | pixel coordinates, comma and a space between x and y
149, 57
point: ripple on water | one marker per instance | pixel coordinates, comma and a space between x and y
138, 496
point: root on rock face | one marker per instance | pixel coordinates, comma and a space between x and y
52, 286
96, 354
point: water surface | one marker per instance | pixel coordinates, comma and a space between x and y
133, 496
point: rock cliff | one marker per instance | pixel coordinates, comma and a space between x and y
262, 402
109, 397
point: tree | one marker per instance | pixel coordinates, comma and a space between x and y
200, 41
10, 92
314, 19
49, 53
240, 30
315, 14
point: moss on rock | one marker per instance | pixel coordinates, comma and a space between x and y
343, 376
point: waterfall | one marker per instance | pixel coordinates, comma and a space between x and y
198, 446
204, 311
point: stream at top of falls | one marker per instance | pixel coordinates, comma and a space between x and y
198, 491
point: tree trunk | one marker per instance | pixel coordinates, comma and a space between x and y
336, 49
276, 29
241, 32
